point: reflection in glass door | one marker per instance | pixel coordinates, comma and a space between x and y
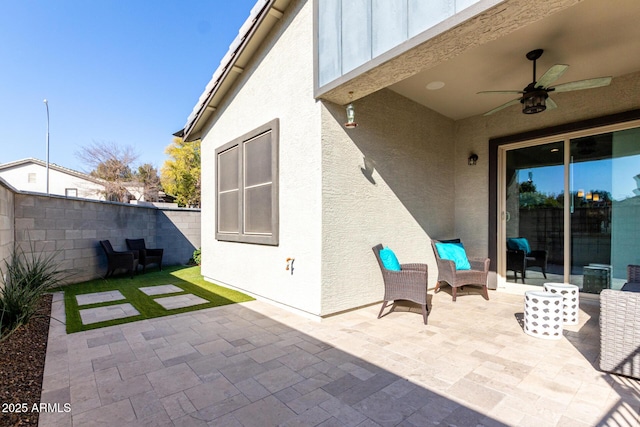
534, 214
601, 174
605, 211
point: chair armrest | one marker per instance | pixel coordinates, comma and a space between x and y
539, 254
446, 269
415, 267
125, 255
480, 264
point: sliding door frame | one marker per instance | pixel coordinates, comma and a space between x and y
497, 188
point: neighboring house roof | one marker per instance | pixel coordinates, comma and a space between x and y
262, 18
53, 166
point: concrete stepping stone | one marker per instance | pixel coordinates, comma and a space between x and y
110, 312
180, 301
162, 289
98, 297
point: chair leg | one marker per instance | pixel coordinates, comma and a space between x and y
453, 293
486, 292
544, 273
424, 313
384, 304
437, 289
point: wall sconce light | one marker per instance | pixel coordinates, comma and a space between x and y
473, 159
351, 114
580, 194
589, 196
596, 197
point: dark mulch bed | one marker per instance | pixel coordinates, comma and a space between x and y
22, 357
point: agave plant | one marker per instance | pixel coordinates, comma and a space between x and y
26, 277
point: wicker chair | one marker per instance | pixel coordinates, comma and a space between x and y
126, 260
620, 332
478, 275
518, 261
410, 283
147, 256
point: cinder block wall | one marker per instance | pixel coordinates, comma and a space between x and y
72, 228
178, 229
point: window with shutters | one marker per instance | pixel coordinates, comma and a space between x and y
247, 187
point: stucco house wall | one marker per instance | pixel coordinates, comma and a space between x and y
257, 98
59, 179
389, 181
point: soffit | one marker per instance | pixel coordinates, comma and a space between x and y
487, 52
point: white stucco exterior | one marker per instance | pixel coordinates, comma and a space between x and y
400, 178
31, 175
259, 97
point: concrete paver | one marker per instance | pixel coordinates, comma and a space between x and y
253, 364
109, 312
98, 297
180, 301
160, 289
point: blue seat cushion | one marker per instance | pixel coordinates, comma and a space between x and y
519, 244
389, 260
454, 252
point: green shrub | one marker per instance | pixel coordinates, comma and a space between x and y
197, 256
26, 277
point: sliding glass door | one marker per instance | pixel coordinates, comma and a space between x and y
586, 238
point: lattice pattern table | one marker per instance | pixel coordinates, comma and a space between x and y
570, 300
543, 314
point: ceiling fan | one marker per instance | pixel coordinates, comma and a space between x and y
535, 97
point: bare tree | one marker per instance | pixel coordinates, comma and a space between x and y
112, 164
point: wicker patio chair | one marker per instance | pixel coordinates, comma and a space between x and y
410, 283
125, 260
519, 261
478, 275
620, 332
147, 256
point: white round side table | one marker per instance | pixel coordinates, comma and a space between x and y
570, 300
543, 314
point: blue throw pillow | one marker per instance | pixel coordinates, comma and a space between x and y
389, 259
519, 244
454, 252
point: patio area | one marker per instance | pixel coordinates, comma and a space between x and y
253, 364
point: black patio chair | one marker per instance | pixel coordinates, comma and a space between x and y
147, 256
125, 260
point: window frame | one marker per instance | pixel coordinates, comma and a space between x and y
241, 236
70, 190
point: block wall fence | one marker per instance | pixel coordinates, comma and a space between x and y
72, 228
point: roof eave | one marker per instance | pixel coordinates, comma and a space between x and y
250, 36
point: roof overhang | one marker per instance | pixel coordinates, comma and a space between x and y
264, 15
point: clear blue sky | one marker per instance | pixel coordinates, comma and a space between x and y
123, 71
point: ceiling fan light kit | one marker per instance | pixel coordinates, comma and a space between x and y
535, 97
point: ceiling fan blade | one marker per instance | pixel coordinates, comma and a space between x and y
500, 91
583, 84
508, 104
550, 103
551, 75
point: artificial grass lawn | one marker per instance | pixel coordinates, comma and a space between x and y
187, 278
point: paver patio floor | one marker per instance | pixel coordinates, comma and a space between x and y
253, 364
